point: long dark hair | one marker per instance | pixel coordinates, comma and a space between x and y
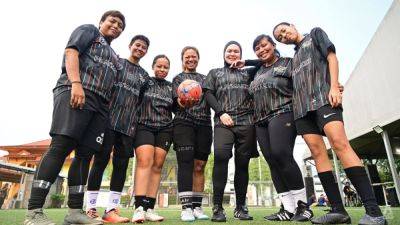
269, 39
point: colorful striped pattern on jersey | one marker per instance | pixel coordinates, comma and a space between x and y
130, 83
200, 113
98, 66
157, 103
272, 90
311, 79
231, 89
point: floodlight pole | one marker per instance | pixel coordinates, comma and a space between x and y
335, 163
392, 165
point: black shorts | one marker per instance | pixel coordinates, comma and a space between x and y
161, 138
121, 145
243, 138
200, 137
314, 121
87, 125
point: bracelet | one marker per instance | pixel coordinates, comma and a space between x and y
76, 82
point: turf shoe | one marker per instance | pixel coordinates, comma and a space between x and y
302, 213
78, 216
138, 215
187, 215
241, 212
92, 213
37, 217
218, 214
151, 215
281, 215
333, 217
369, 220
199, 214
113, 216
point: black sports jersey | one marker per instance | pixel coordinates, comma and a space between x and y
126, 96
98, 62
272, 90
157, 104
200, 113
231, 89
310, 73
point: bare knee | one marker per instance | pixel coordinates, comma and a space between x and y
156, 169
144, 162
339, 144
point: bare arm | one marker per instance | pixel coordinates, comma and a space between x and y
72, 67
335, 96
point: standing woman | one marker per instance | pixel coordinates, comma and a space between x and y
227, 93
192, 140
80, 111
152, 141
318, 112
276, 133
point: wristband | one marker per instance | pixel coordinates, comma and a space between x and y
76, 82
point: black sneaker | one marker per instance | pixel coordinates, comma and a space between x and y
242, 213
333, 217
302, 213
218, 214
281, 215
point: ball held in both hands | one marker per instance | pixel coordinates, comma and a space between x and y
189, 93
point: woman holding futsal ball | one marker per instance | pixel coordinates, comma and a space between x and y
227, 92
153, 139
192, 135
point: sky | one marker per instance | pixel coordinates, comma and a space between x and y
34, 35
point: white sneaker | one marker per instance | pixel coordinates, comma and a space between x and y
151, 215
138, 215
198, 213
187, 215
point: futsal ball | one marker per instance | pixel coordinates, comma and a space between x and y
189, 91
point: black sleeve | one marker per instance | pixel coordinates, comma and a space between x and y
213, 103
255, 66
209, 82
82, 37
322, 42
143, 89
175, 84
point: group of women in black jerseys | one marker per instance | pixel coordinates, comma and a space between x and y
271, 100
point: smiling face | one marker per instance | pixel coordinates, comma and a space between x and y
111, 27
161, 68
286, 34
138, 49
265, 51
232, 53
190, 60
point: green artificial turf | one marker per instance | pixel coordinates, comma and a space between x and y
172, 215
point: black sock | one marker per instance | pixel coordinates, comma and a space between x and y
48, 169
332, 190
197, 199
186, 199
38, 197
75, 201
359, 178
140, 201
150, 203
